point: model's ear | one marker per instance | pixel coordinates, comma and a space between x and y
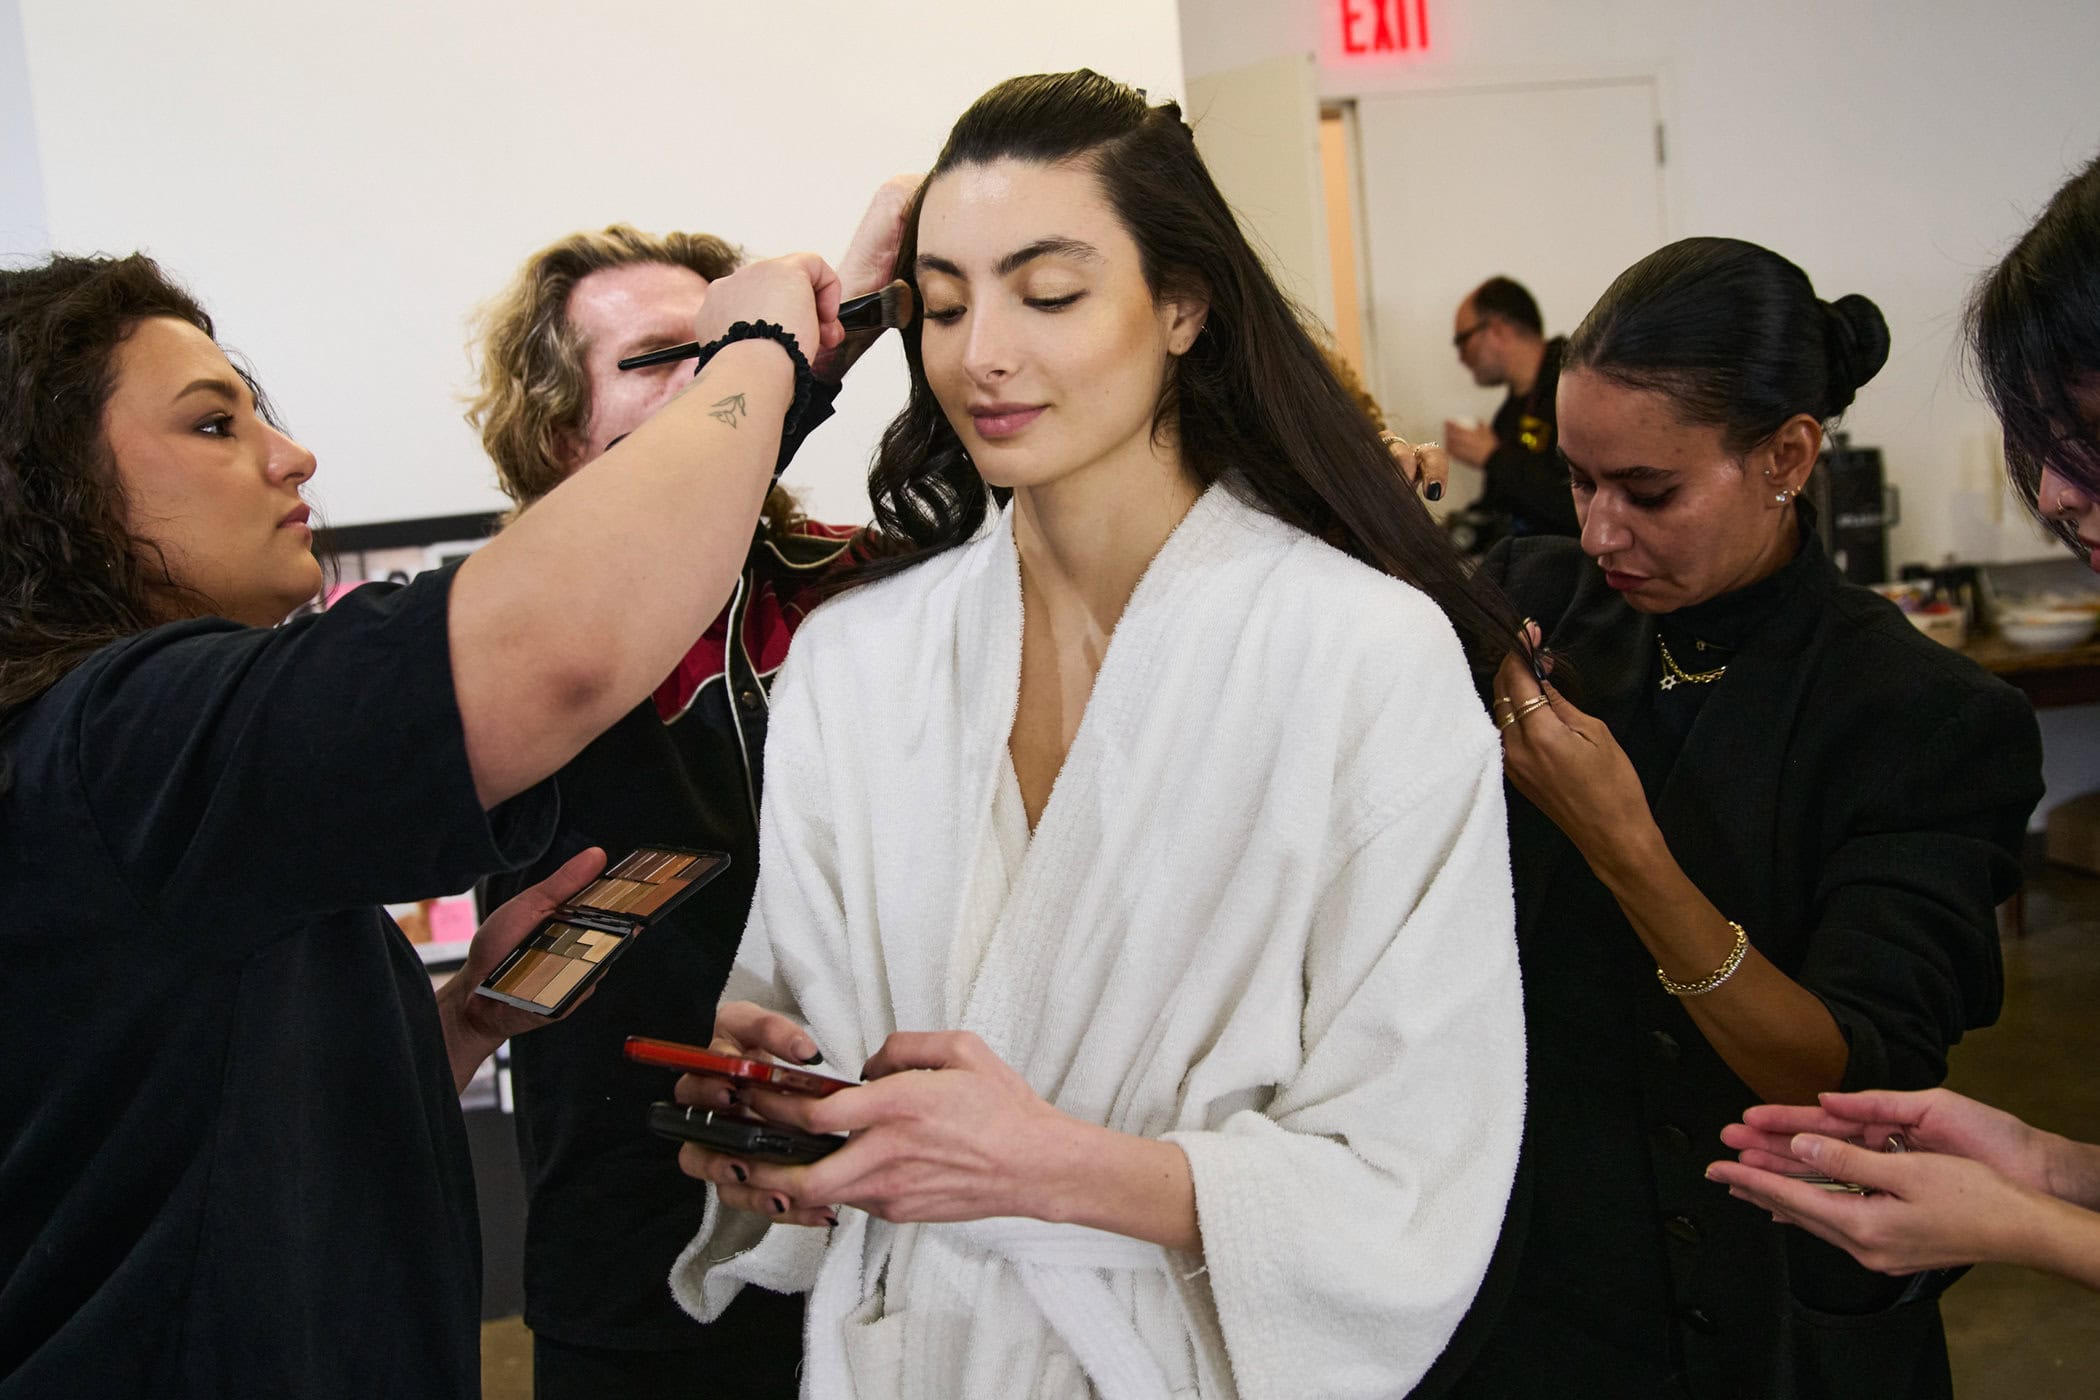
1182, 317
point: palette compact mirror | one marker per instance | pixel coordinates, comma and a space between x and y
579, 940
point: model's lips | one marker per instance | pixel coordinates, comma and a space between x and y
2092, 553
1001, 420
297, 515
1624, 582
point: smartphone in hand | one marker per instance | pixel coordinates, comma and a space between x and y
757, 1074
741, 1137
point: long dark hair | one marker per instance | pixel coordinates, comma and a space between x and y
2034, 334
1734, 336
1252, 402
73, 576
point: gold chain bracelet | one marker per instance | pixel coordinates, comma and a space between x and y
1712, 979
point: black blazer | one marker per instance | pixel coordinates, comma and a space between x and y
1855, 795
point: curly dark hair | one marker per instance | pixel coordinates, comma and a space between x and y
73, 576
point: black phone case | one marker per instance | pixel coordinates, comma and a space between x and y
764, 1142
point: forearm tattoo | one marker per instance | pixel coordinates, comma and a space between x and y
729, 410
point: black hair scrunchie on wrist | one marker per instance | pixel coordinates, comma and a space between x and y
805, 382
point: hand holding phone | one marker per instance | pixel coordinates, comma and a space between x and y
741, 1137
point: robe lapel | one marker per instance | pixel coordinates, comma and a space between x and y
1054, 901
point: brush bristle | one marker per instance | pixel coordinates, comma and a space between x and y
898, 305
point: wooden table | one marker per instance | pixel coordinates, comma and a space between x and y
2049, 678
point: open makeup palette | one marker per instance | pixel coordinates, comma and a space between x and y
572, 949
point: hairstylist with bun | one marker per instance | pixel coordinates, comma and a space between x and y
1759, 826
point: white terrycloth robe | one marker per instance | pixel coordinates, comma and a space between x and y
1265, 915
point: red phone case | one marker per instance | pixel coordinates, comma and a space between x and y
784, 1079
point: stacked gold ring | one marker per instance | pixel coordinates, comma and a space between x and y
1517, 712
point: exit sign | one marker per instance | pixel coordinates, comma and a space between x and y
1373, 27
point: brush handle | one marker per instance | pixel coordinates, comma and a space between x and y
662, 357
861, 313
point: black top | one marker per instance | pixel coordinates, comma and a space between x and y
1525, 478
1853, 794
233, 1162
609, 1210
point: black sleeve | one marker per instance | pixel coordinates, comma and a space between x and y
247, 778
1905, 950
823, 402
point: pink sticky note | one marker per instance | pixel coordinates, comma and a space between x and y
452, 920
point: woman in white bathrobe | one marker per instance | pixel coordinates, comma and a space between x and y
1219, 1038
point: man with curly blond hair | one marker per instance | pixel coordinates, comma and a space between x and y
608, 1210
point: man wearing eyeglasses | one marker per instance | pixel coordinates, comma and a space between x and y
1500, 338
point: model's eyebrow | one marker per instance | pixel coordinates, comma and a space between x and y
1020, 257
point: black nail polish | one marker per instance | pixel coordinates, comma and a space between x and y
1435, 491
816, 1059
830, 1219
779, 1206
738, 1172
731, 1095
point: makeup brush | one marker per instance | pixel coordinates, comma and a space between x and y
864, 318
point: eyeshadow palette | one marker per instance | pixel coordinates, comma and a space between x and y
572, 949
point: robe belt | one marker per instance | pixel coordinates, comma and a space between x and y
1061, 1266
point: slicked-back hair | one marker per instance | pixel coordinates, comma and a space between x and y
1734, 336
1254, 402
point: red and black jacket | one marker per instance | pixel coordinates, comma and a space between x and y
609, 1210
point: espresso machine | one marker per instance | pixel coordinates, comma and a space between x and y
1855, 506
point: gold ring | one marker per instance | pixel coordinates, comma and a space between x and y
1528, 706
1505, 721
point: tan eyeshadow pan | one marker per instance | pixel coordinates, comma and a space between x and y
658, 896
618, 896
518, 970
564, 981
549, 968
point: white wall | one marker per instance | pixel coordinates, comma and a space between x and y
1891, 147
342, 184
22, 231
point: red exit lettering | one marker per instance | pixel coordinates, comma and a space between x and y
1384, 26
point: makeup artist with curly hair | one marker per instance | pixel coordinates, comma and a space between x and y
1759, 826
234, 1162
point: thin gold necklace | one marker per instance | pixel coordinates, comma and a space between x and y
1675, 675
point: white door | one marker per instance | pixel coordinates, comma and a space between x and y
1558, 186
1259, 131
